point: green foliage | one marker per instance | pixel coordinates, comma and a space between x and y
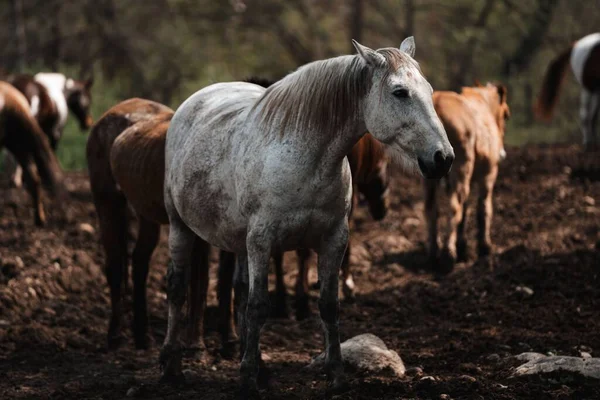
165, 50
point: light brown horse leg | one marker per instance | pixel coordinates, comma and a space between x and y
279, 309
461, 240
226, 314
302, 306
431, 214
198, 289
112, 217
460, 185
148, 236
32, 184
14, 170
485, 212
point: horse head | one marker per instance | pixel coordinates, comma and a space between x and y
79, 99
398, 110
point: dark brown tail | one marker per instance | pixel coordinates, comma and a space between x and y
553, 80
43, 156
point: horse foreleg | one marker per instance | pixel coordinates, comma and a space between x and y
485, 212
588, 112
224, 286
280, 309
461, 240
302, 298
181, 244
331, 254
259, 251
148, 236
198, 289
431, 214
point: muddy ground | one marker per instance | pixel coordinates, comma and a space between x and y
459, 330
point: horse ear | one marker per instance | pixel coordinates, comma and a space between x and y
408, 46
477, 83
371, 57
502, 93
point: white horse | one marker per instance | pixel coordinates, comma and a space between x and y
257, 171
584, 56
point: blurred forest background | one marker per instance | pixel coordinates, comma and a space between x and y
165, 50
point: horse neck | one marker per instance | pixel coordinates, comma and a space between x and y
319, 107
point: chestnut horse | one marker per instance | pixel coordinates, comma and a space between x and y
24, 139
584, 57
125, 153
51, 96
475, 123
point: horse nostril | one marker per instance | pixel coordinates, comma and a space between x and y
439, 159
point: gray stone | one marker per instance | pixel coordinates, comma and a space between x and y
536, 363
368, 353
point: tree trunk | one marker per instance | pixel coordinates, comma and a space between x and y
356, 23
20, 35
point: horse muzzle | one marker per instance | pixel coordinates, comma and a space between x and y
438, 165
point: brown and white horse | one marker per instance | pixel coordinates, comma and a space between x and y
51, 96
24, 139
126, 162
584, 57
475, 123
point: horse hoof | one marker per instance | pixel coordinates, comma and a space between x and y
143, 342
349, 295
303, 312
39, 221
114, 342
229, 349
461, 252
445, 263
280, 312
170, 365
248, 392
338, 386
264, 376
484, 250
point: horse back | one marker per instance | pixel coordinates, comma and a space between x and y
107, 129
137, 160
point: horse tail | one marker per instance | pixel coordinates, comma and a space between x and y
45, 160
551, 85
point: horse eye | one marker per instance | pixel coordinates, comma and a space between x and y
401, 93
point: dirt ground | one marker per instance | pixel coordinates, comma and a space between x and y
455, 334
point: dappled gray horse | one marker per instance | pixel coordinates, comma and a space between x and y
257, 171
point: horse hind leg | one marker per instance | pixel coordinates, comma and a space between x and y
259, 251
226, 314
181, 244
33, 185
196, 304
431, 215
148, 237
14, 170
280, 308
302, 299
485, 212
112, 218
461, 240
588, 113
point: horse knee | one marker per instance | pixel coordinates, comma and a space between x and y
176, 284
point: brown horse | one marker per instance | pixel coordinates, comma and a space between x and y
125, 153
24, 139
475, 123
51, 96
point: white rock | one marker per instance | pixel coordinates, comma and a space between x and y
525, 290
368, 353
537, 363
87, 228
